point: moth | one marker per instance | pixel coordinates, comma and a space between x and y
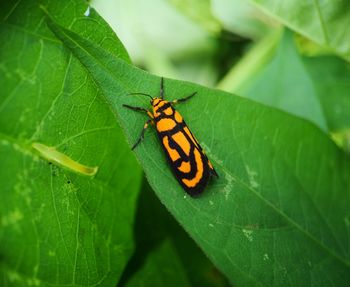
188, 161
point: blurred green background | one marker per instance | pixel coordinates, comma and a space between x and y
197, 41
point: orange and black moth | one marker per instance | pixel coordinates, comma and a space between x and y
186, 157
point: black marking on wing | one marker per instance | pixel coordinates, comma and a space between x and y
200, 186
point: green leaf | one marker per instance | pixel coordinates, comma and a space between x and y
278, 215
162, 268
153, 225
286, 84
61, 223
331, 79
314, 88
325, 22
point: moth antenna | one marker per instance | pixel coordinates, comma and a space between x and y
162, 88
141, 94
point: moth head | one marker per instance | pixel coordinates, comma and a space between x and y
155, 101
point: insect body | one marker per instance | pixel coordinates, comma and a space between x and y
186, 157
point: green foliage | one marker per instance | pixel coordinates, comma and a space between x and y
314, 88
294, 91
278, 215
162, 268
269, 178
154, 226
53, 227
325, 22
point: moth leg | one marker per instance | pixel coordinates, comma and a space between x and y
142, 133
183, 99
139, 109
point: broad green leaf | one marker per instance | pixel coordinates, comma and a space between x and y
315, 88
286, 84
162, 268
331, 80
60, 226
278, 215
153, 225
325, 22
